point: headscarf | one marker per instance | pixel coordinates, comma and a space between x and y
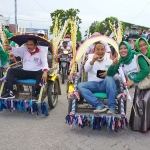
130, 55
138, 47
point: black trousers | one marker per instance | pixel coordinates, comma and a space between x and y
14, 73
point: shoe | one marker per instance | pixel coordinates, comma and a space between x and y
111, 111
8, 95
100, 109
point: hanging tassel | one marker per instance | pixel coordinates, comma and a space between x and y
79, 120
44, 109
83, 118
8, 104
92, 121
76, 120
67, 119
113, 123
116, 124
35, 107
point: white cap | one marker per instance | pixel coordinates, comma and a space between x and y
41, 32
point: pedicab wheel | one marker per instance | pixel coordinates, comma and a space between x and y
53, 93
63, 75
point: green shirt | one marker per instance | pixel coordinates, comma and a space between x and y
144, 70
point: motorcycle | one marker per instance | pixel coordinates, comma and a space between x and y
64, 64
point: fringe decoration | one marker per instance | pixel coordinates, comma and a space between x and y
23, 105
113, 123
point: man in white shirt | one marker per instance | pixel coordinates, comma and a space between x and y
35, 66
102, 84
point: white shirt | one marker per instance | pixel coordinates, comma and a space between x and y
131, 69
92, 69
35, 62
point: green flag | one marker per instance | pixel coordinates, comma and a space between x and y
3, 56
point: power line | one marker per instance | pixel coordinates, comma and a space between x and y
141, 11
30, 20
129, 8
42, 7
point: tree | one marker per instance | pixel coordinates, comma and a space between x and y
104, 26
65, 15
79, 36
92, 28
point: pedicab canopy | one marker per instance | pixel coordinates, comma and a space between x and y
92, 40
22, 38
83, 47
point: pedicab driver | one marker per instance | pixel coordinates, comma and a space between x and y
35, 66
98, 82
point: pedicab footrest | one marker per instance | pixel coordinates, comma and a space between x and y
26, 81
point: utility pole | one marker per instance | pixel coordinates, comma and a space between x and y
16, 15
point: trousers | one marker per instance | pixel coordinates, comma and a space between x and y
108, 85
15, 73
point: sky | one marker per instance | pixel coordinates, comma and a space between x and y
36, 13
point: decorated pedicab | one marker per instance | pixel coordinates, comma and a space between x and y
50, 89
79, 111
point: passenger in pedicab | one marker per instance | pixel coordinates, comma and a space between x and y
143, 46
98, 81
136, 68
35, 66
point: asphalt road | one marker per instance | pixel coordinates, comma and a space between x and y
21, 131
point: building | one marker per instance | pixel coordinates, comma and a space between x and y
35, 31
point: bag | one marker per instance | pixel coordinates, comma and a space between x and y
144, 84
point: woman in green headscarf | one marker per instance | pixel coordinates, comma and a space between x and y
143, 46
128, 62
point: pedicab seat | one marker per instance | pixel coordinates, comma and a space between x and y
102, 95
26, 81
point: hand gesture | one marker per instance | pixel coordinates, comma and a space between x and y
95, 57
115, 61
